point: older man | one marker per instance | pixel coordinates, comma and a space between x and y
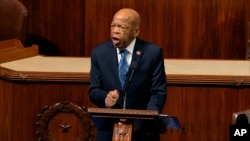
109, 80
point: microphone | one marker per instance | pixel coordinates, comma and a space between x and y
132, 69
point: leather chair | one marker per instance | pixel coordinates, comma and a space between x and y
13, 20
242, 117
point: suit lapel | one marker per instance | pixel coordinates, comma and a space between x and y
114, 63
138, 51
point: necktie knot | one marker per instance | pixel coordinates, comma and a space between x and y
124, 53
123, 66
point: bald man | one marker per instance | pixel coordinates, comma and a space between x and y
145, 89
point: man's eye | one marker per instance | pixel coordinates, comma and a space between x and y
123, 27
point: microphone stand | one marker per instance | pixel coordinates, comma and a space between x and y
125, 94
133, 67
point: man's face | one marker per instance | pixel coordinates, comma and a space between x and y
122, 31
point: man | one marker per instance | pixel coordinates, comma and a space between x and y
145, 83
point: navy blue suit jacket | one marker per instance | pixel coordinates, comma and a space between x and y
148, 86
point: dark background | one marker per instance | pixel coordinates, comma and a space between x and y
197, 29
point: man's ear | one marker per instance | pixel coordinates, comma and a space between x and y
137, 31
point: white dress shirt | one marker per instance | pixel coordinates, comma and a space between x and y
130, 49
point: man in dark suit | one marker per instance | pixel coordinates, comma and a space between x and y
147, 89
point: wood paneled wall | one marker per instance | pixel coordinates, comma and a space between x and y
204, 111
207, 29
21, 104
56, 26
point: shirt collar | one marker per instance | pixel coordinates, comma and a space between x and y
130, 47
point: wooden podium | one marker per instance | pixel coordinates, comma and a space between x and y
123, 131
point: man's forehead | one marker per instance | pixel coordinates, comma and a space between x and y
121, 18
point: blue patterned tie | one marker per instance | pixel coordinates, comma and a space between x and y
123, 66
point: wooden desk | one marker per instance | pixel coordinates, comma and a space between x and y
203, 94
181, 71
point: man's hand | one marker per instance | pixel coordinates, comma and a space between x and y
111, 98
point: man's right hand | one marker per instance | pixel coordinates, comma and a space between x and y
111, 98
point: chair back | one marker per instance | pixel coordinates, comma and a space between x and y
242, 117
13, 17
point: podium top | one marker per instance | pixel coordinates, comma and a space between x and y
163, 121
123, 113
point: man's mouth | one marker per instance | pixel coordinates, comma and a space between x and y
116, 41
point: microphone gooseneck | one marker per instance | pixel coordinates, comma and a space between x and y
132, 69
